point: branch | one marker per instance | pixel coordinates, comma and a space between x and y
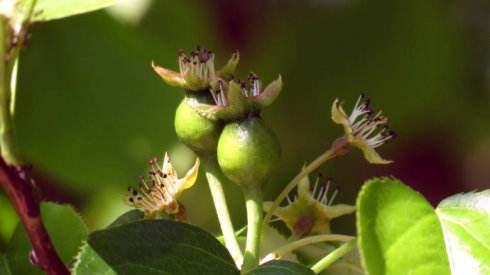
13, 179
19, 191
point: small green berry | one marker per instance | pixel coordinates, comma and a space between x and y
248, 151
197, 132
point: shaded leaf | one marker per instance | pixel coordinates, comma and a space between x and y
89, 262
465, 221
8, 222
161, 247
130, 216
4, 266
281, 268
399, 232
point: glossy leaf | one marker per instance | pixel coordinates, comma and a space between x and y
161, 247
281, 268
89, 262
55, 9
399, 232
66, 229
130, 216
465, 220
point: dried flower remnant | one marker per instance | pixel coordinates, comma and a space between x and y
311, 210
363, 129
159, 192
196, 70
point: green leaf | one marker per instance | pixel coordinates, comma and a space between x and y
4, 266
281, 268
130, 216
399, 232
465, 221
55, 9
161, 247
9, 221
89, 263
66, 230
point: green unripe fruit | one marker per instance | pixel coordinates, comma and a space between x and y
197, 132
248, 151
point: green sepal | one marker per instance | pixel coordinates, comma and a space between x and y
170, 77
268, 96
229, 68
194, 83
187, 81
236, 107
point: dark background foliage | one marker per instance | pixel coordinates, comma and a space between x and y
91, 111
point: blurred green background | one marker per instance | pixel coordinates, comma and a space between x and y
91, 111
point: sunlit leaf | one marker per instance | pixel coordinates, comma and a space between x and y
465, 220
45, 10
399, 232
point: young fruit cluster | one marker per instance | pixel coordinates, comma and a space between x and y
220, 115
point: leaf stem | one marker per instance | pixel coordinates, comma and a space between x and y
327, 155
7, 145
283, 250
213, 173
333, 256
253, 200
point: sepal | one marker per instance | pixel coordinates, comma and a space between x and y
170, 77
269, 95
229, 68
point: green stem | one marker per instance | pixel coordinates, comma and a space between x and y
333, 256
9, 57
283, 250
329, 154
213, 173
16, 184
253, 200
9, 53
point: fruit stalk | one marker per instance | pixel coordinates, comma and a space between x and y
253, 200
213, 175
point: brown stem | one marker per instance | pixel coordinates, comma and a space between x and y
20, 193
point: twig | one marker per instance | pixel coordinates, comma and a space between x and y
13, 179
19, 191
